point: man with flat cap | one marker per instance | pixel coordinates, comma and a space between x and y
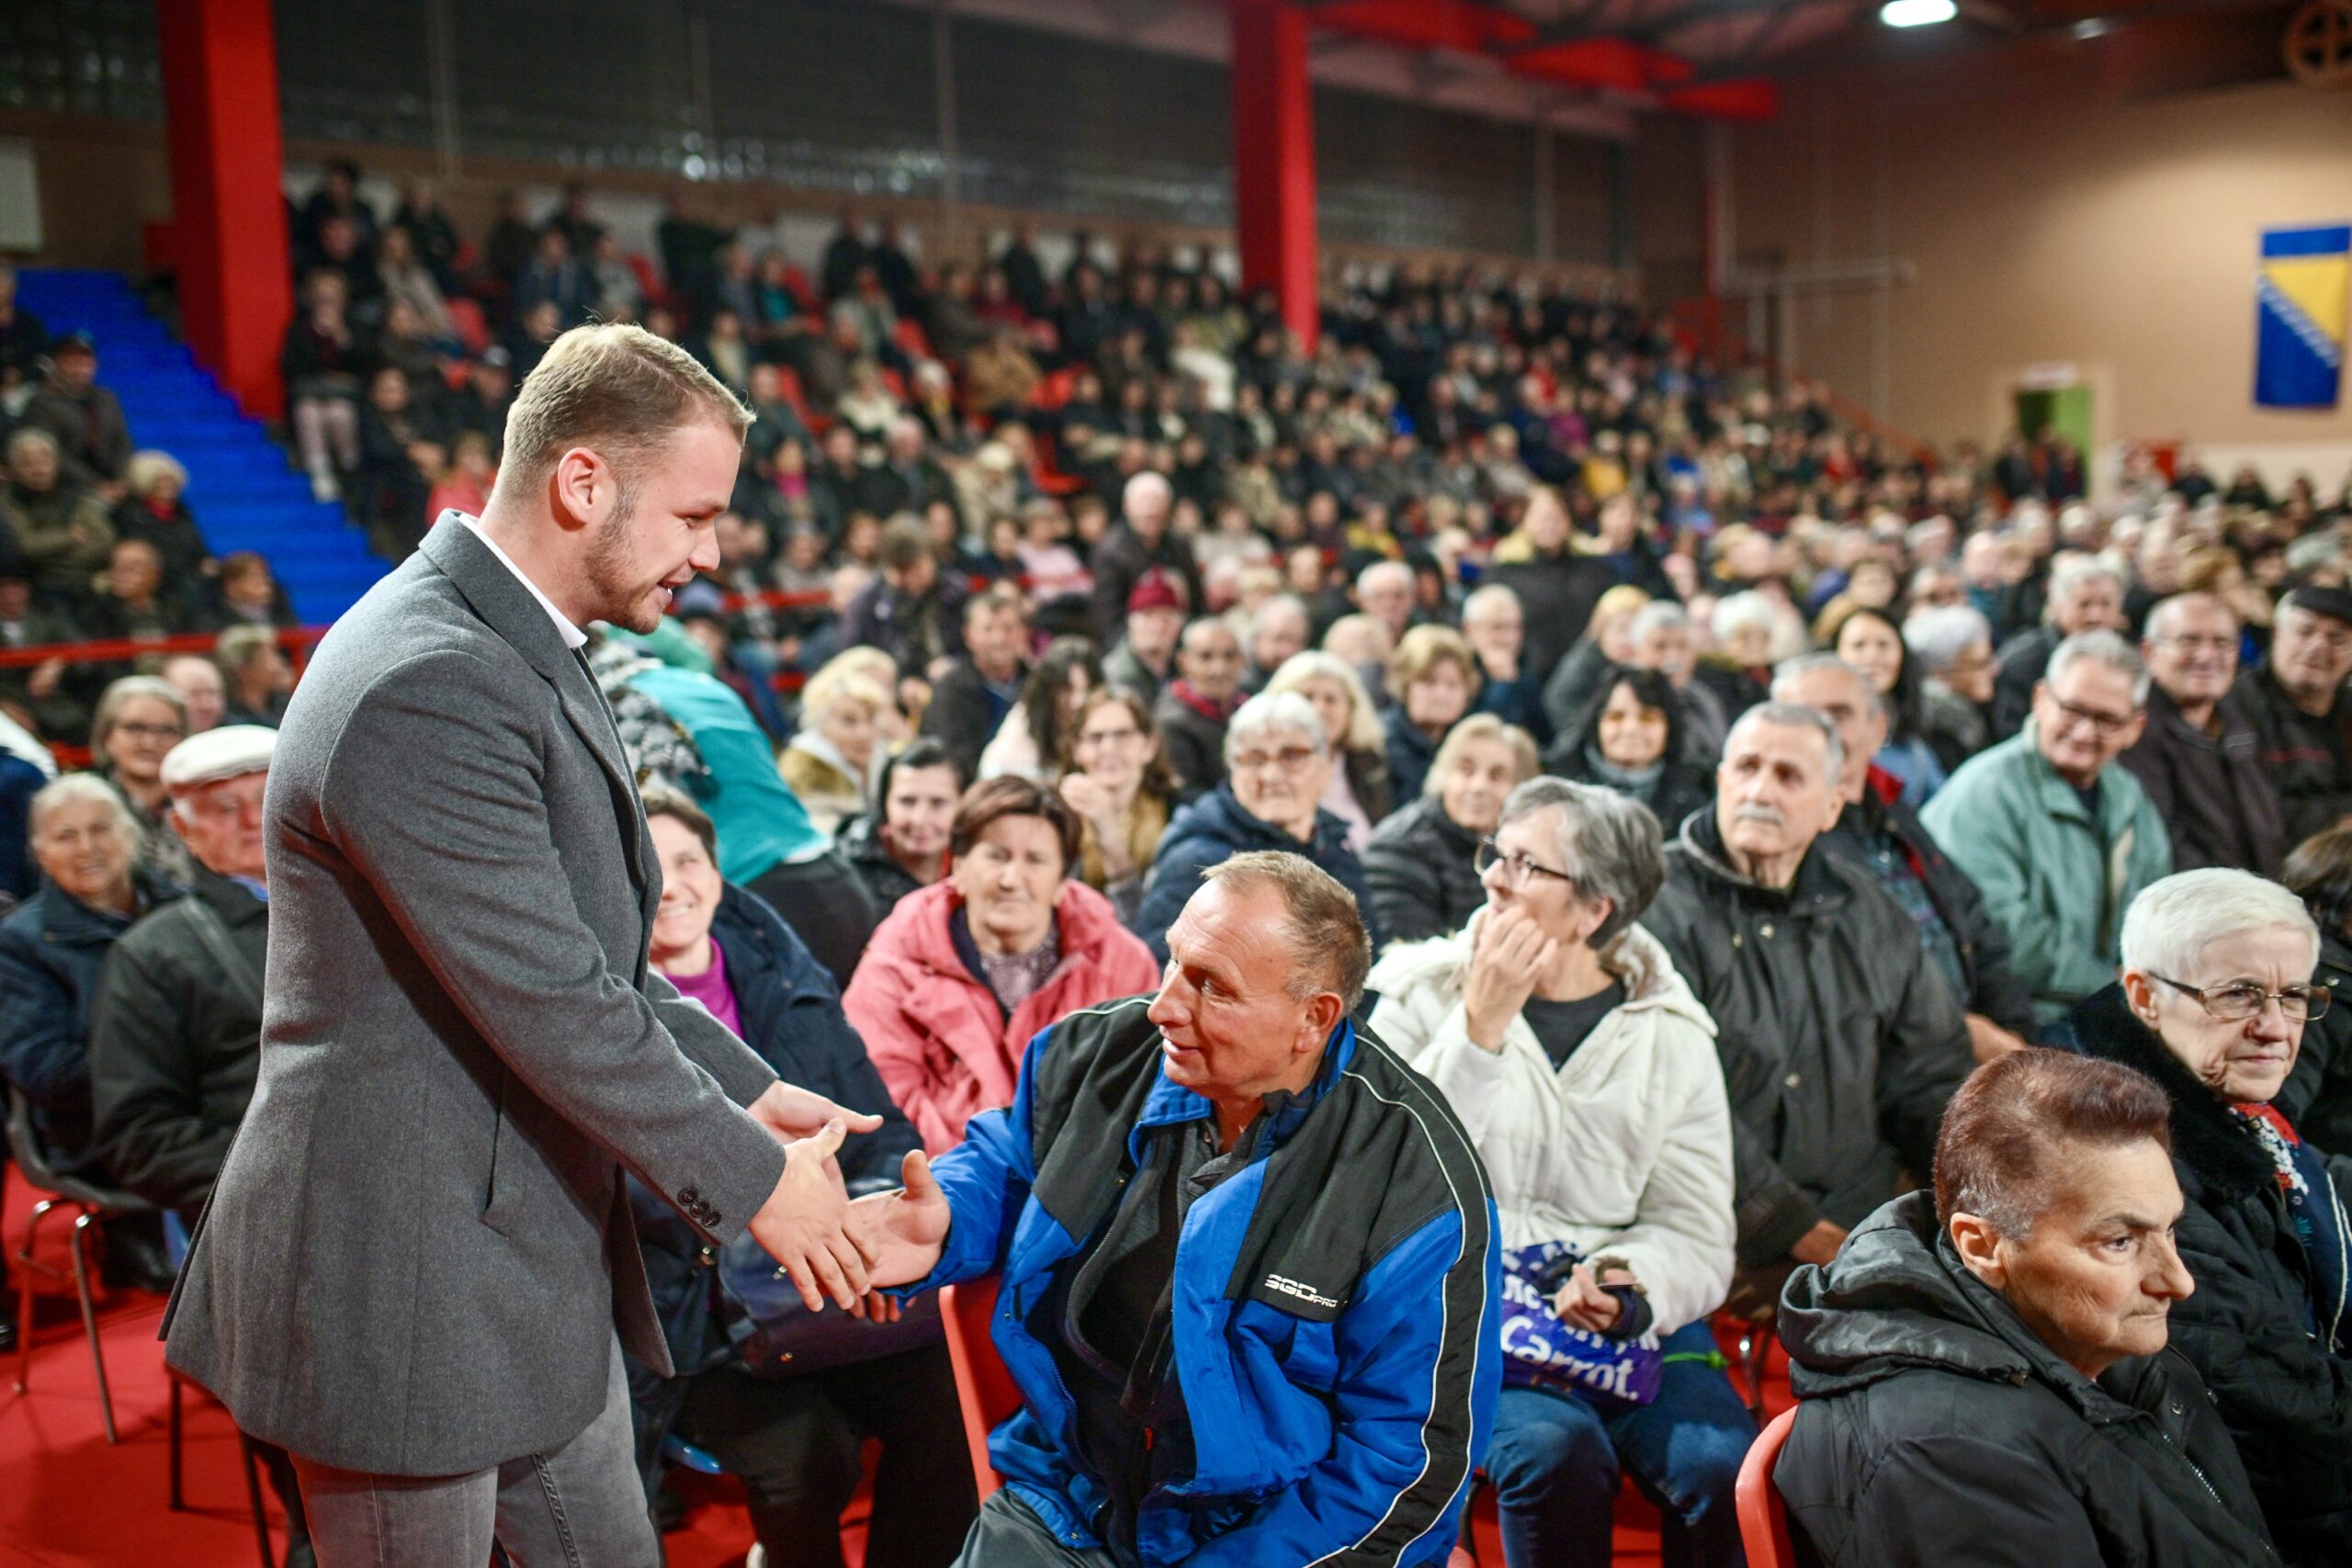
2295, 703
417, 1268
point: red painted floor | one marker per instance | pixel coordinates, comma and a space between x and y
69, 1500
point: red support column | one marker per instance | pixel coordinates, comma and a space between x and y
1273, 158
229, 239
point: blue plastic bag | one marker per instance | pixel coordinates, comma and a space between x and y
1541, 1351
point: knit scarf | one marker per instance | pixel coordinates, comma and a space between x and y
2312, 1207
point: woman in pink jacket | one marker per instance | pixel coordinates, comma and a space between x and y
963, 973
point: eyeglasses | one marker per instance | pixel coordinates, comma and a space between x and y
2103, 724
1517, 864
1108, 737
1289, 759
151, 731
2243, 999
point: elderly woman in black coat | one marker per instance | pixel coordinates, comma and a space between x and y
2216, 992
793, 1440
1420, 862
1983, 1370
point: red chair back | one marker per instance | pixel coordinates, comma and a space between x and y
1763, 1518
983, 1388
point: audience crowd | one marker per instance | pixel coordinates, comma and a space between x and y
1825, 882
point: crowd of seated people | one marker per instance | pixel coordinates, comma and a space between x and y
1822, 880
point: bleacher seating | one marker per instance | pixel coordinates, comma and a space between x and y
240, 486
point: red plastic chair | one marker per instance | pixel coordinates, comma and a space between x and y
984, 1389
1763, 1518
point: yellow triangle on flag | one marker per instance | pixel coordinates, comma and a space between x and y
2316, 285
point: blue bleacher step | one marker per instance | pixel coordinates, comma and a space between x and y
244, 491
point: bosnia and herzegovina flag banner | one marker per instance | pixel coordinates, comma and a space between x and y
2299, 316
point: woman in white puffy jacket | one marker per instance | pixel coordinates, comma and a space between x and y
1585, 1071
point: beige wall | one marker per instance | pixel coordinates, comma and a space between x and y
2045, 219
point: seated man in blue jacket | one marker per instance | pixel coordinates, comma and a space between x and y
1250, 1273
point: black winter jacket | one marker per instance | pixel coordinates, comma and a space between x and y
2309, 758
962, 717
1841, 1040
1193, 742
1994, 989
176, 1043
885, 880
1411, 754
2253, 1329
2318, 1096
1935, 1427
1217, 827
2218, 801
1422, 867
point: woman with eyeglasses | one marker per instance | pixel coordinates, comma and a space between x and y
1119, 784
1585, 1071
1278, 764
140, 718
2213, 1004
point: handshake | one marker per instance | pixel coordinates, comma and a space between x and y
832, 1246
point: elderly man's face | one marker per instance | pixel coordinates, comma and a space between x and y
1278, 777
2246, 1059
1774, 794
2096, 1276
1228, 1026
221, 822
1387, 595
2095, 605
34, 464
2195, 657
1152, 633
1280, 633
2310, 653
1210, 659
1860, 718
2085, 719
1666, 649
1496, 632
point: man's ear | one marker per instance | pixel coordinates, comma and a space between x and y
581, 488
1324, 1010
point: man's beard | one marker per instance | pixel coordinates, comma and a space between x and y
618, 600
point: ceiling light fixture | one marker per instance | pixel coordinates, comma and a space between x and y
1917, 13
2093, 26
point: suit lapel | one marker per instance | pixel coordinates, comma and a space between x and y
508, 608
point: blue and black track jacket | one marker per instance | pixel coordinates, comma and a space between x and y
1333, 1308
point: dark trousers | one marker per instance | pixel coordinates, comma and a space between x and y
825, 903
1556, 1462
794, 1442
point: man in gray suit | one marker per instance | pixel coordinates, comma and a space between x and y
414, 1265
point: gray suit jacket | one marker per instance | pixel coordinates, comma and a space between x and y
417, 1254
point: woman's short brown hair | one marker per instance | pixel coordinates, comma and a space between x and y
993, 799
2000, 1145
663, 801
1422, 649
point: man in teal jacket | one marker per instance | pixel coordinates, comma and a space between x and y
2058, 841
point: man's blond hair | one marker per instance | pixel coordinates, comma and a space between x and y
617, 389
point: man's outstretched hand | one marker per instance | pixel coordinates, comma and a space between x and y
901, 1233
806, 1224
790, 1113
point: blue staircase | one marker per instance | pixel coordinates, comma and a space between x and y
244, 495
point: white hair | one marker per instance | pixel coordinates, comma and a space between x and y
1482, 599
2075, 571
1379, 570
1938, 635
84, 788
2171, 921
1745, 608
2101, 648
1149, 483
1658, 615
1269, 711
1790, 716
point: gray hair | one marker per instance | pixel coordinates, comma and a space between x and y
2171, 921
2075, 570
1328, 935
1279, 603
1657, 616
1480, 599
1937, 638
1269, 711
2160, 619
1379, 570
1789, 671
29, 436
84, 788
2105, 647
1745, 608
1611, 846
120, 695
1794, 717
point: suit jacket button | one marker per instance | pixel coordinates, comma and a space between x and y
710, 1217
689, 1196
